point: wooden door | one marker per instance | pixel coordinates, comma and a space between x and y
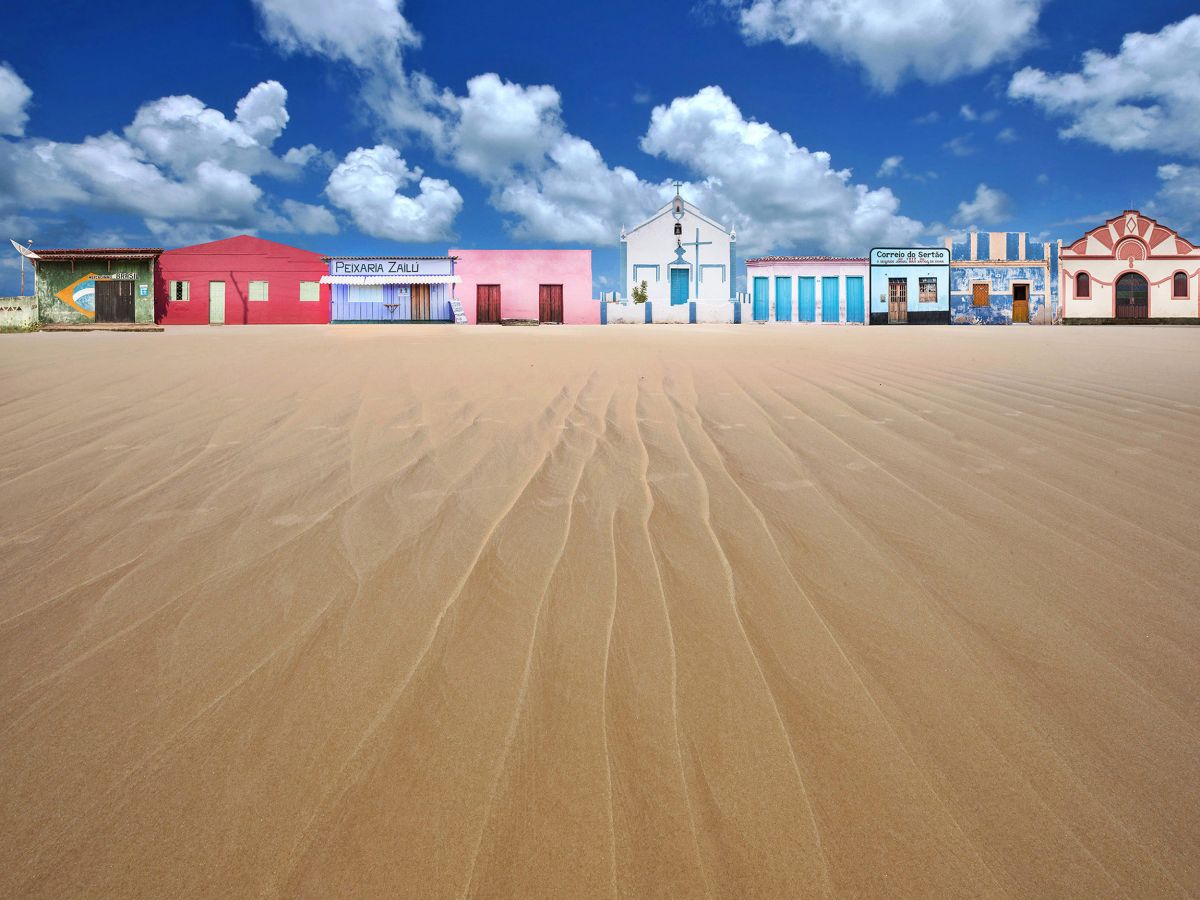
114, 301
487, 304
216, 303
550, 303
1133, 297
762, 299
1020, 303
420, 302
897, 301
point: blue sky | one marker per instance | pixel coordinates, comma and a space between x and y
372, 126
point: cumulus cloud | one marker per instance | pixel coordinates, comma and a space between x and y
986, 209
369, 184
1177, 203
178, 165
1144, 97
931, 40
776, 193
14, 97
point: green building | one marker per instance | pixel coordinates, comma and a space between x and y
108, 284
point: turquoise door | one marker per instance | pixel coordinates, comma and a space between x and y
680, 281
808, 299
829, 300
783, 299
762, 300
854, 300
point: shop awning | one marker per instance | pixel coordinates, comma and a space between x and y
390, 279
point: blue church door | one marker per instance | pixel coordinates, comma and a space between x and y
762, 302
680, 283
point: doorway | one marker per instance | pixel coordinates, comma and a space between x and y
487, 304
114, 301
1133, 297
762, 300
419, 294
216, 303
897, 301
680, 286
1020, 303
550, 304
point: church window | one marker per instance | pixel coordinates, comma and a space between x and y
1180, 286
1083, 285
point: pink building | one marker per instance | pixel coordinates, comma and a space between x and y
543, 285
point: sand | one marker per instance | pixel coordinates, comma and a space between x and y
433, 612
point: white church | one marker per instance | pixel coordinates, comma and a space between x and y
681, 254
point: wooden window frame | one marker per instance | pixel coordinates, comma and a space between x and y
317, 286
1187, 285
266, 290
921, 293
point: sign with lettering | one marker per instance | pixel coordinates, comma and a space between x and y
391, 266
911, 256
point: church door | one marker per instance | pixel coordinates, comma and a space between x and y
680, 284
762, 300
1133, 297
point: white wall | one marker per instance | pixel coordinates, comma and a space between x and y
1104, 274
654, 244
815, 269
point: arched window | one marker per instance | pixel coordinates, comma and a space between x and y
1083, 285
1180, 285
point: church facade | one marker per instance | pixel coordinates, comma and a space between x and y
681, 254
1131, 270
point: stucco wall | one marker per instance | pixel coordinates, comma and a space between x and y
815, 269
18, 313
1000, 281
878, 290
237, 261
54, 276
520, 273
648, 253
1104, 274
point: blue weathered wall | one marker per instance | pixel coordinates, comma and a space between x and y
1000, 280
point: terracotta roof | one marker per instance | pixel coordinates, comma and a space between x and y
799, 259
98, 252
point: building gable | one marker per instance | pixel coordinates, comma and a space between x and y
1131, 236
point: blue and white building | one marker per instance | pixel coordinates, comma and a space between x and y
910, 286
1002, 278
827, 290
681, 254
391, 289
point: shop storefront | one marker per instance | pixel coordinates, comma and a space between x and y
106, 285
910, 286
382, 289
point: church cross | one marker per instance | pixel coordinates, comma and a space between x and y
697, 243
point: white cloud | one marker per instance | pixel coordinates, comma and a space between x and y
362, 32
932, 40
988, 207
776, 193
14, 97
890, 166
1177, 203
960, 146
968, 113
1007, 136
182, 166
368, 184
502, 126
1142, 98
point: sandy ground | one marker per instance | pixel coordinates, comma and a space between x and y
351, 611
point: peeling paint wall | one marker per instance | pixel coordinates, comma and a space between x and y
18, 313
1001, 260
55, 279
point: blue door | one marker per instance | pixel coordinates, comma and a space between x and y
680, 281
783, 299
854, 300
829, 300
808, 299
762, 300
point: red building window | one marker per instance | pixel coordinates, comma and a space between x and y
1180, 285
1083, 285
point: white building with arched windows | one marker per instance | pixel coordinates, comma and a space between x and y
681, 254
1130, 270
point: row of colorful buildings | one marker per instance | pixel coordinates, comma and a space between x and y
1129, 269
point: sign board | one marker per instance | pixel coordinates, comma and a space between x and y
143, 290
392, 266
460, 316
910, 256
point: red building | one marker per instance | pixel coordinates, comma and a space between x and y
241, 281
